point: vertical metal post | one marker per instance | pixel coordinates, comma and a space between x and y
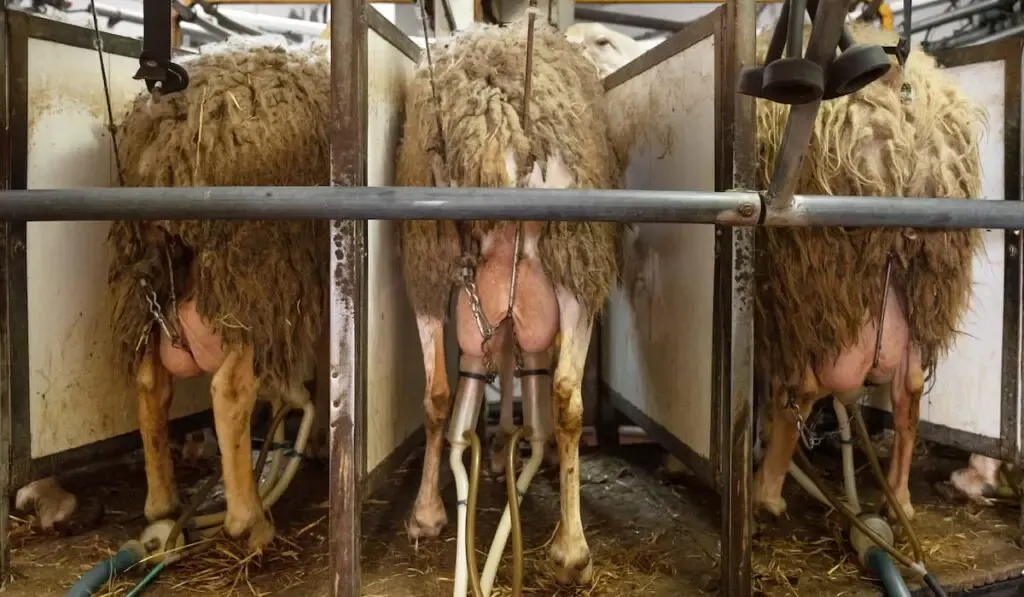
6, 389
343, 377
5, 403
736, 300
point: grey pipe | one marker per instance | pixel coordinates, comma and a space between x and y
110, 12
1006, 33
189, 16
583, 13
956, 15
408, 203
386, 203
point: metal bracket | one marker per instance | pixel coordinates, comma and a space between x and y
155, 66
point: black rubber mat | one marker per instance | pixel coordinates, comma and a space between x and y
1013, 587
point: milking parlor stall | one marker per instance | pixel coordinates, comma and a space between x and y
731, 261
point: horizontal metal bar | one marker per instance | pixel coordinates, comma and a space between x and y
383, 203
958, 14
597, 15
889, 212
418, 203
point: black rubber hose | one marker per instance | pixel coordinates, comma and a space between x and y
892, 581
778, 36
795, 29
933, 584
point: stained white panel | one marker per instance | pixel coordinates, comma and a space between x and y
395, 364
658, 326
966, 393
72, 373
967, 390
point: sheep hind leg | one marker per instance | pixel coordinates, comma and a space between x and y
234, 396
907, 388
428, 516
569, 550
155, 395
782, 443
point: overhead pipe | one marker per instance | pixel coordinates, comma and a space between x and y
119, 14
739, 208
1005, 33
957, 15
225, 21
189, 16
584, 13
956, 41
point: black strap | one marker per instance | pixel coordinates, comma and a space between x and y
530, 372
472, 375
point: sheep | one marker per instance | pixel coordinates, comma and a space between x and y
252, 115
565, 270
819, 291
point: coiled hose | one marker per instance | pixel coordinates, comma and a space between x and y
133, 552
130, 554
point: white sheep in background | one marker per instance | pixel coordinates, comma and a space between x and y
609, 50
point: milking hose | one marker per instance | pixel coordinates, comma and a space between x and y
892, 581
876, 468
902, 558
513, 513
133, 552
474, 485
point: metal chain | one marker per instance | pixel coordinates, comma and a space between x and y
156, 313
467, 279
808, 436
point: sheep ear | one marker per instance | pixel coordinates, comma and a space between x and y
511, 168
558, 176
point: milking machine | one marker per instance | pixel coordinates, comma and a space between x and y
870, 535
537, 427
166, 541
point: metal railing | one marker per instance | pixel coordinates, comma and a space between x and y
745, 208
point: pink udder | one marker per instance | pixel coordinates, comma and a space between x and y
207, 353
854, 364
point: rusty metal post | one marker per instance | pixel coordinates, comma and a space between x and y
735, 302
343, 377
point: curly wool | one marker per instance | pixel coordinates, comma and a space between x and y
479, 76
816, 286
251, 116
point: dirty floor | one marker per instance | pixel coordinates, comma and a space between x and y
965, 545
647, 538
650, 532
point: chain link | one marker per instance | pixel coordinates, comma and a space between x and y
810, 439
157, 314
467, 278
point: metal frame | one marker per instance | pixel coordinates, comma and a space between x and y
20, 27
1006, 447
728, 468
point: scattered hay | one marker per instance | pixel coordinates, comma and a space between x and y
618, 567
